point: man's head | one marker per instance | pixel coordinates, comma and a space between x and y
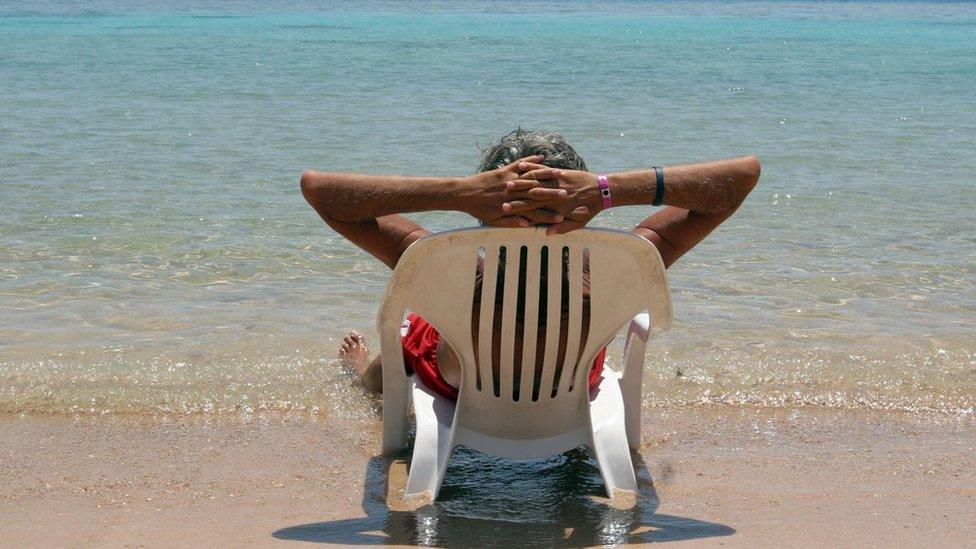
521, 143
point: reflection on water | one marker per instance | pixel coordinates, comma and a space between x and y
486, 501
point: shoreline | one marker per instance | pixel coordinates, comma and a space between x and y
708, 476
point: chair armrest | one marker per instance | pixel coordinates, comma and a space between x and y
632, 377
635, 346
640, 327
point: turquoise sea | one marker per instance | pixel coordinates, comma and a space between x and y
157, 257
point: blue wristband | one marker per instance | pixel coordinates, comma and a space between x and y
659, 190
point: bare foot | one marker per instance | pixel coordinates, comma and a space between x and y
354, 353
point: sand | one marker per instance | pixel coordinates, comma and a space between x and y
716, 476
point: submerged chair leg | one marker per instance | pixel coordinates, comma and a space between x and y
609, 445
396, 407
433, 444
396, 394
613, 455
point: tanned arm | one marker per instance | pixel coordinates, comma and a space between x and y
699, 197
364, 208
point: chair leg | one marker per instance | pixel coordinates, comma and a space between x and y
396, 407
433, 444
613, 455
396, 395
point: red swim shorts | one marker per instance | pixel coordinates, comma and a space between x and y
420, 358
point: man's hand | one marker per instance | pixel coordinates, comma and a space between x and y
483, 195
533, 190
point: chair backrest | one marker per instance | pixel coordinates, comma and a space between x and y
438, 276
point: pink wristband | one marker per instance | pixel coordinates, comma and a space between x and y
605, 191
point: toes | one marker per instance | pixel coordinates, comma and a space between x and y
354, 342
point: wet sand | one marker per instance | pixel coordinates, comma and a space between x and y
716, 476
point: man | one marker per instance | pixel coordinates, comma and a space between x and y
526, 178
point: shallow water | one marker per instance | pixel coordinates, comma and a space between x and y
156, 256
485, 502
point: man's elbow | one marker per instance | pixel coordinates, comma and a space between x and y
320, 190
307, 184
749, 169
753, 170
312, 186
315, 189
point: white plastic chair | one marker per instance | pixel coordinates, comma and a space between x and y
436, 279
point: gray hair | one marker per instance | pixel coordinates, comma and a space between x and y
519, 143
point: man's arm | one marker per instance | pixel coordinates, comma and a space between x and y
363, 208
354, 197
359, 207
699, 197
